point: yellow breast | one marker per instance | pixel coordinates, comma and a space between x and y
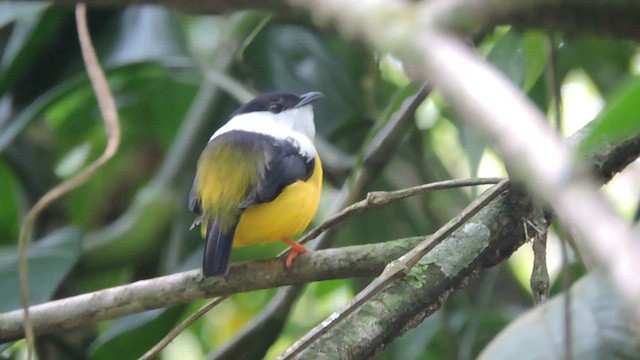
288, 214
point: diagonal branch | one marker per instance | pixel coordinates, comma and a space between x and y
396, 270
379, 199
490, 236
549, 171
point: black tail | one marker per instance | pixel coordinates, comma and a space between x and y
217, 250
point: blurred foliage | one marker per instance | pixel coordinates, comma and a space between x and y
619, 119
601, 327
50, 261
176, 77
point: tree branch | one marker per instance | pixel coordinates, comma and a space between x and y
549, 171
199, 6
613, 18
185, 287
471, 18
398, 268
491, 234
379, 199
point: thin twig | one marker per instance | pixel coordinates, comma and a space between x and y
566, 284
380, 148
378, 199
413, 256
155, 350
554, 86
396, 269
539, 281
112, 129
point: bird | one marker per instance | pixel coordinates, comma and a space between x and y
258, 179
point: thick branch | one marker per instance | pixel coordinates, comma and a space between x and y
354, 261
492, 234
613, 18
534, 152
200, 6
488, 238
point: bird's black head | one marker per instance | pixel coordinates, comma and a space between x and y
277, 102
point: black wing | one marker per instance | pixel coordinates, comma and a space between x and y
285, 166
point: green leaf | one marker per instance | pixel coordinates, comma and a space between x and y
536, 57
134, 233
49, 259
618, 120
55, 97
10, 209
521, 57
473, 146
508, 56
606, 61
25, 43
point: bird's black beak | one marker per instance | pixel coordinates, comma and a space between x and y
308, 98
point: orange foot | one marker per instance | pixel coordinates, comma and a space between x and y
296, 249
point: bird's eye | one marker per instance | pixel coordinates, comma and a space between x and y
275, 108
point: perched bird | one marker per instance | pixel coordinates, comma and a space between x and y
258, 178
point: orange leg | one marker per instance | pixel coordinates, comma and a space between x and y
296, 249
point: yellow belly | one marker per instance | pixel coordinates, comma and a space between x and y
288, 214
